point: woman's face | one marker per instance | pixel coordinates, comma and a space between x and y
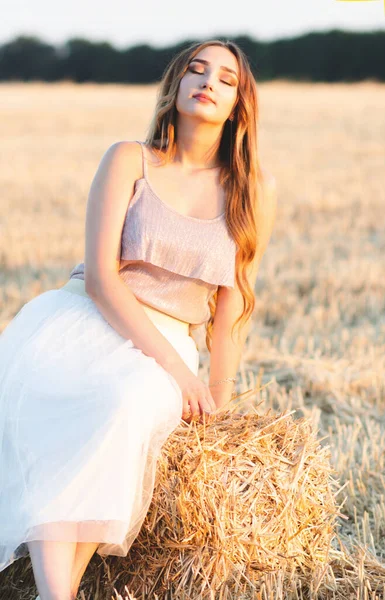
213, 71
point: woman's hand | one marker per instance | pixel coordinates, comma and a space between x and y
197, 398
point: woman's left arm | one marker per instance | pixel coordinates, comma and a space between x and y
225, 354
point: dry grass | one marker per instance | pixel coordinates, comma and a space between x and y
243, 496
318, 332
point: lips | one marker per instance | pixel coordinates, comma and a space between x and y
201, 95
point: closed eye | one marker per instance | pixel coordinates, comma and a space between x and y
202, 73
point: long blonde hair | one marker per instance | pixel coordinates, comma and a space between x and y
240, 172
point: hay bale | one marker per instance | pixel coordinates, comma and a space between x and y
235, 498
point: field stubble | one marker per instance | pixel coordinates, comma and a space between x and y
318, 334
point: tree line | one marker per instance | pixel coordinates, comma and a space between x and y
329, 56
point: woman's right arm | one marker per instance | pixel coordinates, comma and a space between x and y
110, 192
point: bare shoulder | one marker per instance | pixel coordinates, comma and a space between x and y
121, 162
112, 188
125, 148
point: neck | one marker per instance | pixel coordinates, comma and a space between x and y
197, 144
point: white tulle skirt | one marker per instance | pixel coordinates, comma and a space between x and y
83, 416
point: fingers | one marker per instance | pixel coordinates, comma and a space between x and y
187, 415
195, 408
206, 406
207, 402
190, 409
197, 401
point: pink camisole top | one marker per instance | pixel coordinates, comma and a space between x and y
178, 261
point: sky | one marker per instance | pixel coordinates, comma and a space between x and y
165, 22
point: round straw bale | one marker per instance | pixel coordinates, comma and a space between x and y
234, 498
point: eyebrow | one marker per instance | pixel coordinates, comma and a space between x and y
206, 62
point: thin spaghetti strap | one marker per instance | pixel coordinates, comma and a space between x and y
144, 162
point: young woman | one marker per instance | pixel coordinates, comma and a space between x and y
94, 376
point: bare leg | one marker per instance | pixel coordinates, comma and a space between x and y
83, 555
52, 564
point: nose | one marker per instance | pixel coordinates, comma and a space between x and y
208, 84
